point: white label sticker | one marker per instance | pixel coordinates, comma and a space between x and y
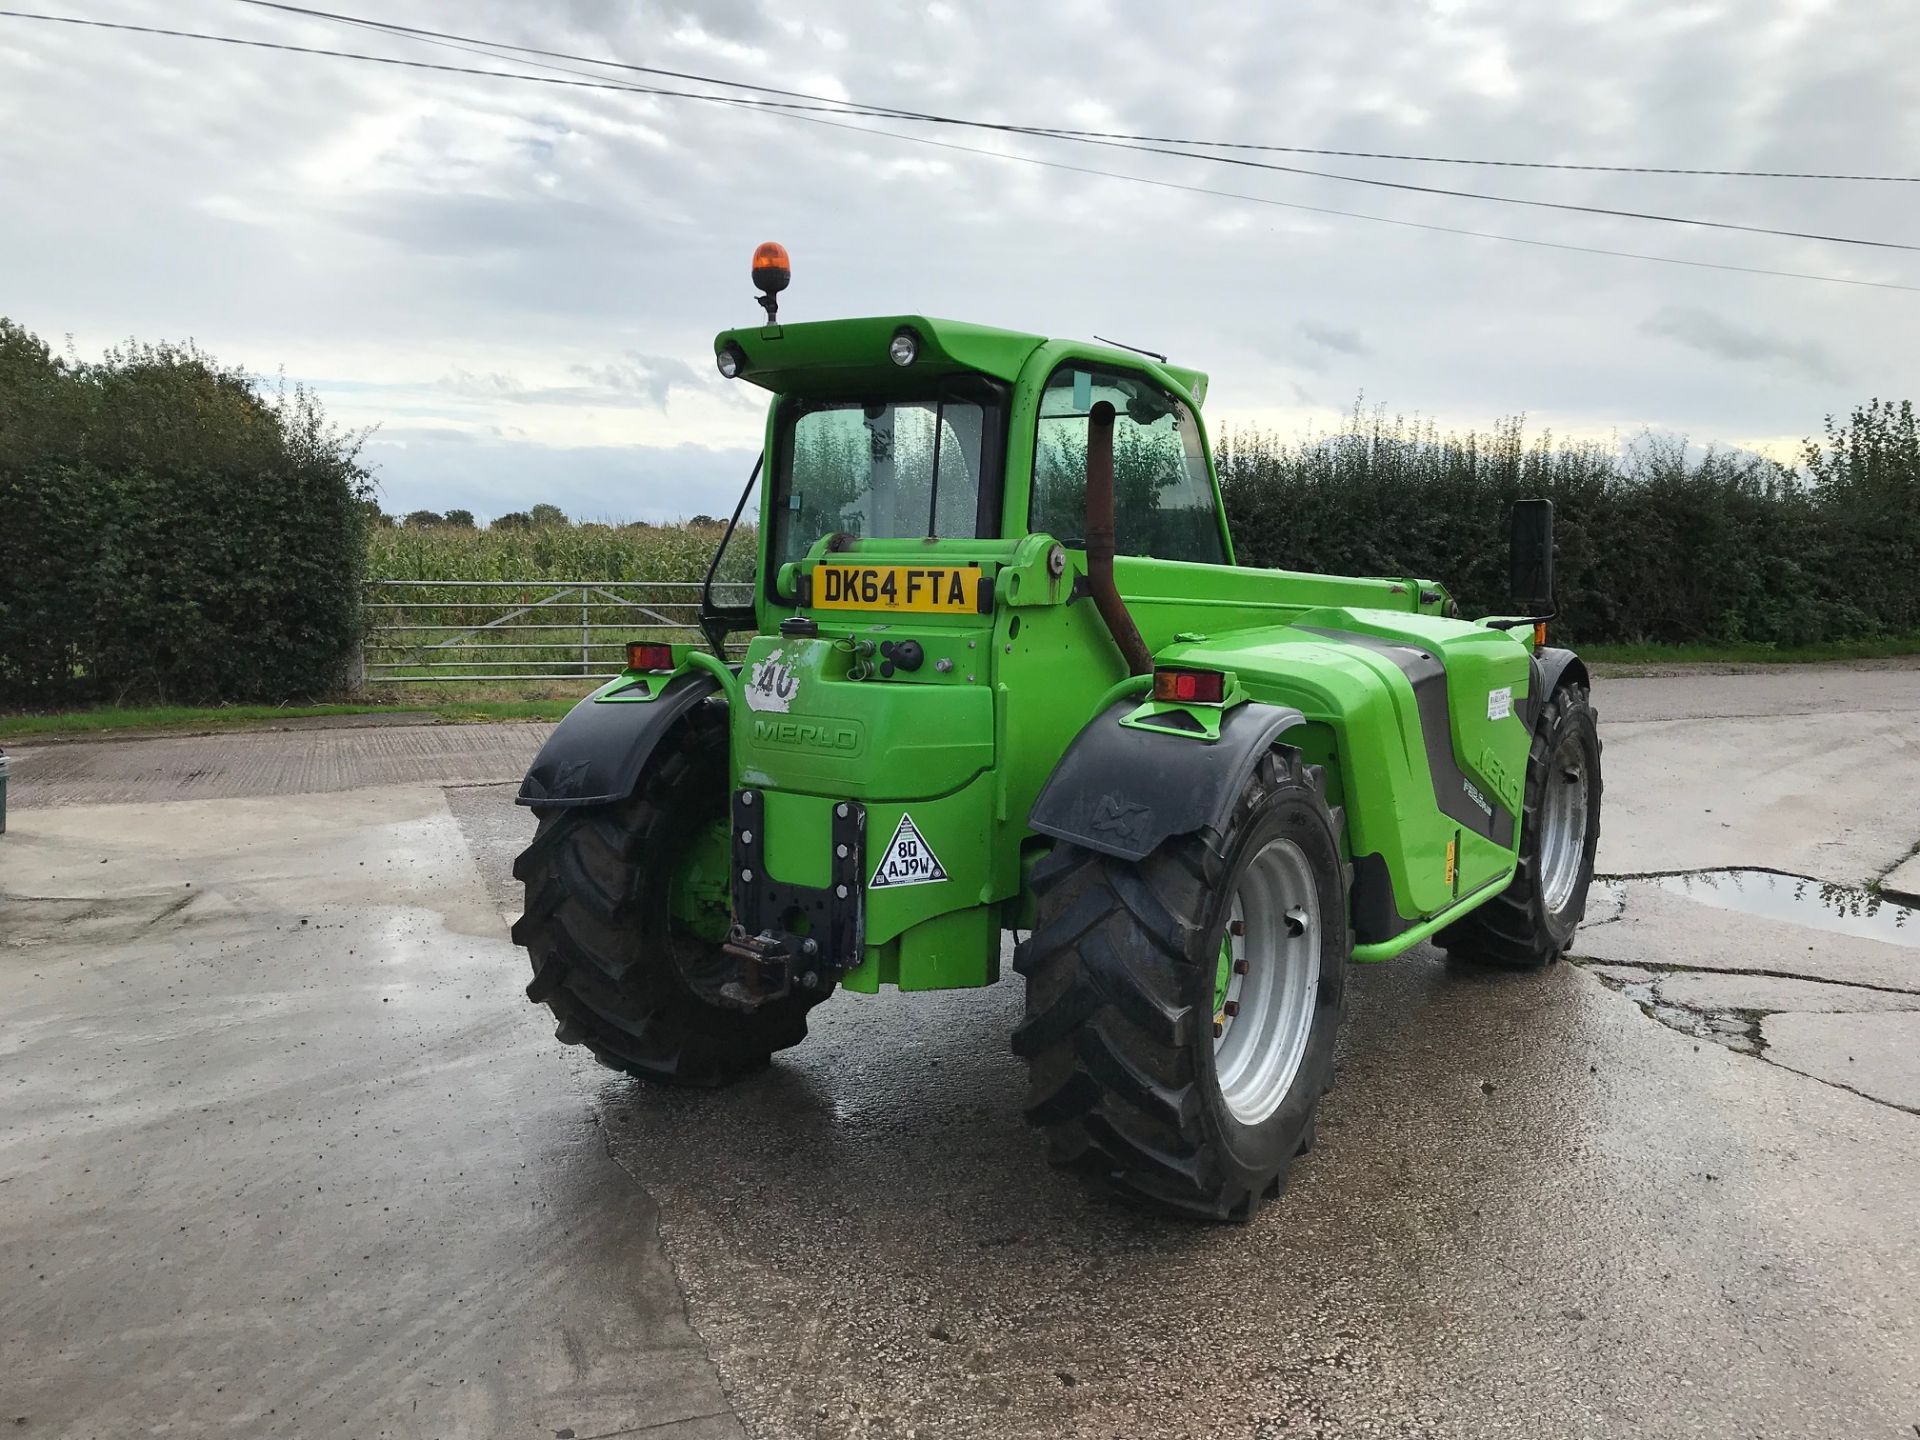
1500, 703
771, 684
909, 859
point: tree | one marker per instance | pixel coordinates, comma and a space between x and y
512, 520
545, 517
463, 519
422, 519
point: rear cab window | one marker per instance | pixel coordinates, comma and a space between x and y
1163, 492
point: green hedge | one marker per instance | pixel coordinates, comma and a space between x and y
1656, 542
170, 534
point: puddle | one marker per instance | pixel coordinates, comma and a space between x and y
1841, 909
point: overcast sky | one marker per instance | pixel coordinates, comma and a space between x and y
519, 283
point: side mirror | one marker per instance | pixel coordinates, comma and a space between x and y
1530, 534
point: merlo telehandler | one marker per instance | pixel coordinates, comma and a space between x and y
1005, 675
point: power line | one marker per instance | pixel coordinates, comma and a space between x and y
894, 112
1360, 214
1086, 137
787, 113
785, 106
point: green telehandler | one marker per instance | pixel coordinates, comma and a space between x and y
1005, 675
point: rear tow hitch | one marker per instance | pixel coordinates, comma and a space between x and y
792, 937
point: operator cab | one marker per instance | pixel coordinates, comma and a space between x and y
910, 428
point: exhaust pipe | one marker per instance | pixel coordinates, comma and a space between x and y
1106, 596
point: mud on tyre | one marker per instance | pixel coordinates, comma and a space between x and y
1181, 1011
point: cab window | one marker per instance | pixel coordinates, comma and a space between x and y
895, 468
1163, 494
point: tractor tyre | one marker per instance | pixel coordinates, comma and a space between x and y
1181, 1010
1530, 924
614, 957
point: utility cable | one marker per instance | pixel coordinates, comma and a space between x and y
1059, 132
790, 113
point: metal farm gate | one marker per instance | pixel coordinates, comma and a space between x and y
424, 631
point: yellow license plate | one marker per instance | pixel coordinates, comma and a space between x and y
925, 589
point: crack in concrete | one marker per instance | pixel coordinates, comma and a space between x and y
1711, 870
657, 1424
1755, 1046
1839, 1085
1660, 967
679, 1287
1878, 883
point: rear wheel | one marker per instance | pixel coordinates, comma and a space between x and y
1181, 1011
627, 905
1531, 923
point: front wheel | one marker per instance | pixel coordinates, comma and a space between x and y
1531, 923
1181, 1011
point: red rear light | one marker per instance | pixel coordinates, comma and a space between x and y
1206, 687
645, 655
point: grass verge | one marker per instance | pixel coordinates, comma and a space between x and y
20, 728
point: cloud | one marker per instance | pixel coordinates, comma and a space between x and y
1329, 337
544, 266
1721, 338
634, 378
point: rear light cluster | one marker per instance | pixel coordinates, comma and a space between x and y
645, 655
1206, 687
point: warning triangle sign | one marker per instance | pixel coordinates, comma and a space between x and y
908, 860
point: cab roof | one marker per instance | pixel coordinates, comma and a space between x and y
818, 357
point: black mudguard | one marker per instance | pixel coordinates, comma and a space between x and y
1550, 668
595, 755
1123, 791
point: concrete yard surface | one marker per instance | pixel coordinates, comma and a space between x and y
279, 1159
284, 1151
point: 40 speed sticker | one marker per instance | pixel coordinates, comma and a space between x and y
908, 860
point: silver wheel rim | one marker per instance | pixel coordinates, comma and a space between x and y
1563, 824
1273, 934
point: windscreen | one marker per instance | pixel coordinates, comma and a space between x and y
891, 469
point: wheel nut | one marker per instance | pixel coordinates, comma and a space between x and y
1231, 1008
1241, 967
1219, 1029
1238, 927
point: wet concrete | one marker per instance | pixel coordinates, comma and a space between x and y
281, 1155
1875, 1055
1533, 1211
1811, 904
1903, 880
1530, 1213
1669, 931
